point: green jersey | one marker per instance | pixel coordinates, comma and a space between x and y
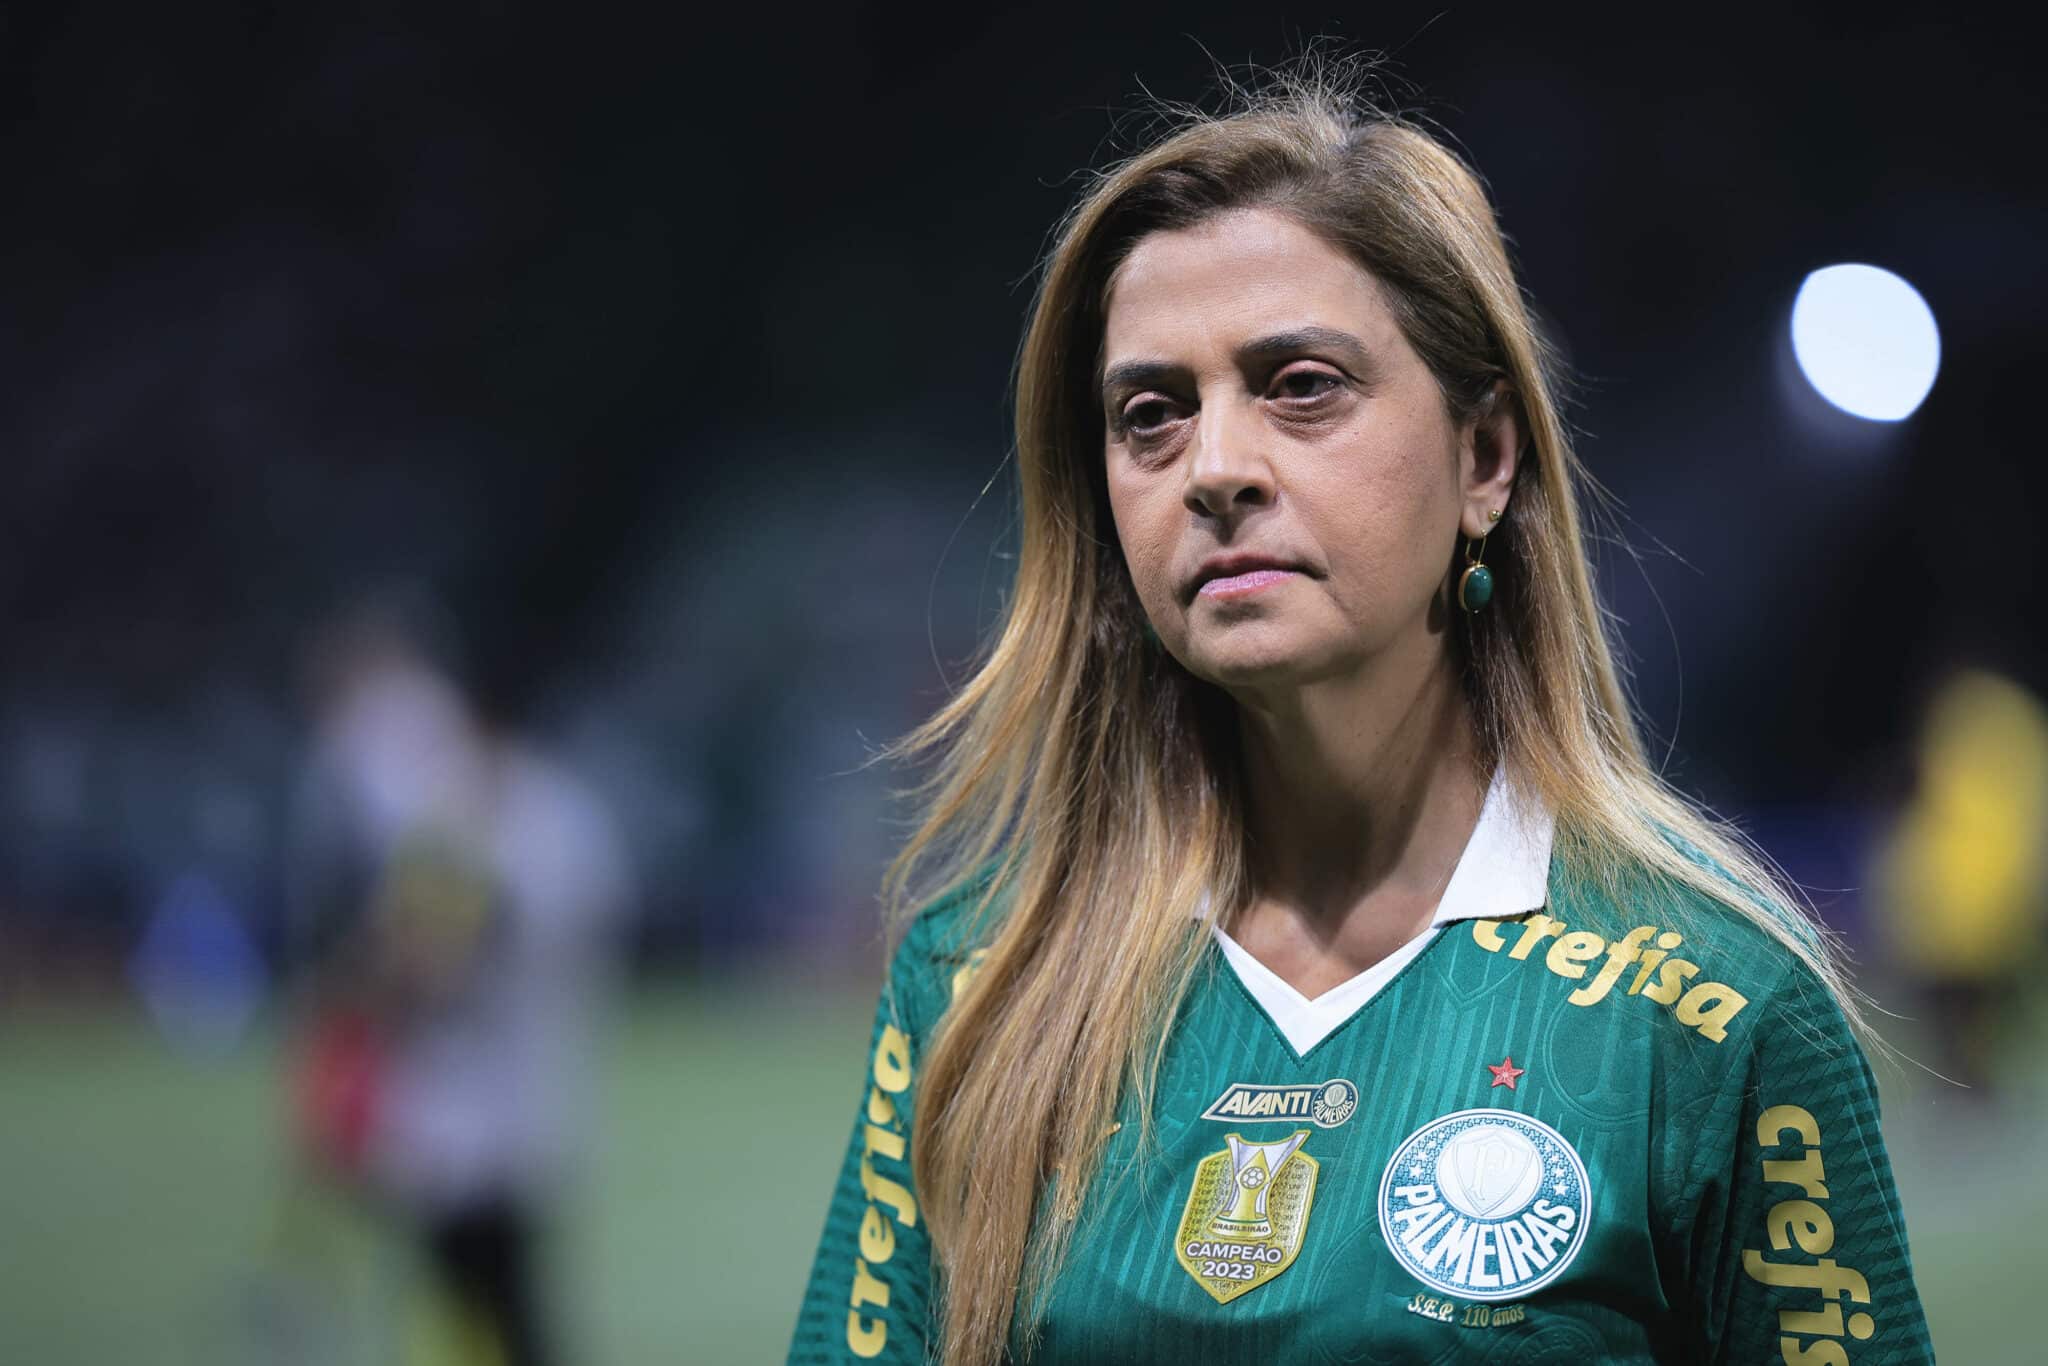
1547, 1129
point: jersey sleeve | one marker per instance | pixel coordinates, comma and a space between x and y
1800, 1249
869, 1293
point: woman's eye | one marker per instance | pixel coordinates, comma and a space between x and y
1304, 387
1141, 416
1305, 383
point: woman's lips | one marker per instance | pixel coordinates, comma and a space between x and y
1245, 584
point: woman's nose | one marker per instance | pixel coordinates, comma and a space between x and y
1227, 471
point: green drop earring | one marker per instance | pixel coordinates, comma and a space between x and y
1475, 585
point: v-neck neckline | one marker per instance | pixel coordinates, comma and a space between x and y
1506, 861
1304, 1025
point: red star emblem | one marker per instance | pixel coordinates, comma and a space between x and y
1505, 1074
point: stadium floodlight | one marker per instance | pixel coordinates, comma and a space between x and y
1866, 340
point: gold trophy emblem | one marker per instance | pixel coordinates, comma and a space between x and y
1252, 1168
1246, 1214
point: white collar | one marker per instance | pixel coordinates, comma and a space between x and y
1504, 871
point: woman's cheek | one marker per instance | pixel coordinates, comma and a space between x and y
1149, 554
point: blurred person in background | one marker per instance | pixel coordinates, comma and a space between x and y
458, 897
1960, 886
1308, 962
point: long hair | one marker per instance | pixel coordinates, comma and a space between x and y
1091, 781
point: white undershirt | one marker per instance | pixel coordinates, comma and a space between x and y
1304, 1022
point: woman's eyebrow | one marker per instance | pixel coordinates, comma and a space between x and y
1139, 374
1306, 338
1143, 373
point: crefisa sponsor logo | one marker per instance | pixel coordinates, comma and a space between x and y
1485, 1204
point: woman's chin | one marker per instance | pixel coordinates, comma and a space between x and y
1259, 659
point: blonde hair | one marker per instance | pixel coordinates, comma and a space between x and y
1091, 781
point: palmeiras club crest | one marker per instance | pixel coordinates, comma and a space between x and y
1485, 1204
1246, 1214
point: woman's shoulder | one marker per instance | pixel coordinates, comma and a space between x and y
941, 942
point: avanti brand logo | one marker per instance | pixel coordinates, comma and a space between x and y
1325, 1104
1485, 1204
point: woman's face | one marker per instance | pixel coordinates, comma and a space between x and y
1263, 407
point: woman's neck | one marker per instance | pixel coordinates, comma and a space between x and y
1362, 793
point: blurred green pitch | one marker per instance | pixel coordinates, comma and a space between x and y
140, 1192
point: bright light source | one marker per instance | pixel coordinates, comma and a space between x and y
1866, 340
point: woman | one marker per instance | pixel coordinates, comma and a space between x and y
1314, 967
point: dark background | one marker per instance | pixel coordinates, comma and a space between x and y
664, 360
670, 356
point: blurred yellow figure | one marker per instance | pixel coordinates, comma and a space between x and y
1960, 887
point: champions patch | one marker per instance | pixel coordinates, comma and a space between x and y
1485, 1204
1246, 1214
1323, 1104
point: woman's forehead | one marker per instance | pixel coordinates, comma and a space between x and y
1238, 275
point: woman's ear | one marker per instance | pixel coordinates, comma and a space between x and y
1489, 453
